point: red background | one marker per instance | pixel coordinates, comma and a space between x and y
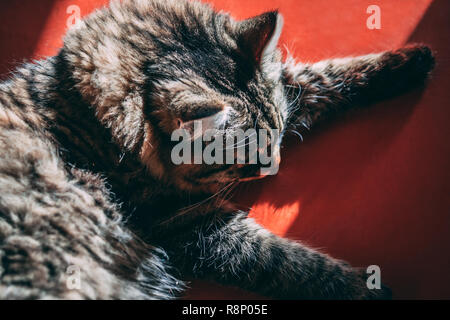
371, 188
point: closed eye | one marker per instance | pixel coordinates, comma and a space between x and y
200, 112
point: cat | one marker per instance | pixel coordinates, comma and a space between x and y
86, 178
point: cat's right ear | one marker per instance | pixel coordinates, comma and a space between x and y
259, 36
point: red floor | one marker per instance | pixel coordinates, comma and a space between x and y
372, 188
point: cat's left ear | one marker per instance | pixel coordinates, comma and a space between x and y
259, 36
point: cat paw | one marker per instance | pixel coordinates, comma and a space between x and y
365, 293
384, 293
420, 58
403, 69
413, 62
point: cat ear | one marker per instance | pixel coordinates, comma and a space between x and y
260, 35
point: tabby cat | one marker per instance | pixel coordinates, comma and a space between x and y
86, 178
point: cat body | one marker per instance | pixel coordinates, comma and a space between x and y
87, 184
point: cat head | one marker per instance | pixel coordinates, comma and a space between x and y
150, 68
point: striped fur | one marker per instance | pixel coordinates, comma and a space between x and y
85, 171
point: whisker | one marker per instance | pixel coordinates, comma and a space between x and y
189, 208
241, 146
240, 141
300, 92
227, 194
298, 134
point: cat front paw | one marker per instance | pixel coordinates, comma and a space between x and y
363, 292
384, 293
420, 58
353, 284
399, 71
411, 64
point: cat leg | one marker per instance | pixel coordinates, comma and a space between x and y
235, 250
318, 90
